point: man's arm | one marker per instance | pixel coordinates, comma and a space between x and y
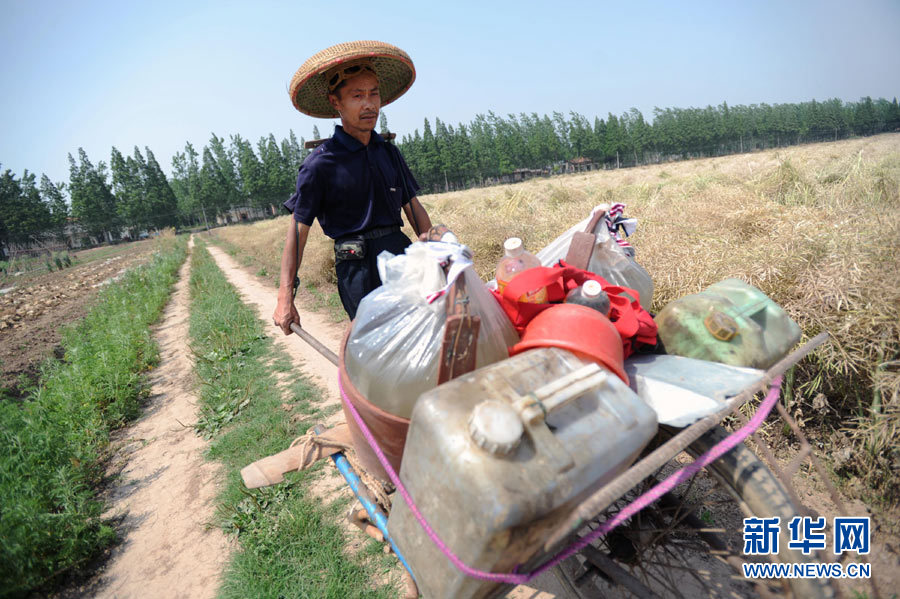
285, 311
418, 218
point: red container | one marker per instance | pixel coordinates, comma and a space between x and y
579, 329
389, 430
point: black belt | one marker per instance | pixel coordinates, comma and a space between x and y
374, 233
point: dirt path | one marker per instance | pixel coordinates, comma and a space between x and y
166, 497
262, 298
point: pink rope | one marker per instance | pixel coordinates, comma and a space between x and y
606, 527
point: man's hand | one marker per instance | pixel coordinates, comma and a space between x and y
285, 314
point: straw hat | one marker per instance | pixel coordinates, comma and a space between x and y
394, 68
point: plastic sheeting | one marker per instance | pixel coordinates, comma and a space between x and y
393, 349
608, 260
684, 390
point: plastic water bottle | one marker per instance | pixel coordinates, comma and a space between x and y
590, 294
515, 260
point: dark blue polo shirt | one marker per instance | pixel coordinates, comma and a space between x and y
352, 188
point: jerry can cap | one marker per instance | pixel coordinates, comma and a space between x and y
495, 427
720, 325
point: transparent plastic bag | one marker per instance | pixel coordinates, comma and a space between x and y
610, 262
394, 346
608, 259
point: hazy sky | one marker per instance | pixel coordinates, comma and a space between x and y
159, 74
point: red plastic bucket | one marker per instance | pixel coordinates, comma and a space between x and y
579, 329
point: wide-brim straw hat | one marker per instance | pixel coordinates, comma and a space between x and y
393, 66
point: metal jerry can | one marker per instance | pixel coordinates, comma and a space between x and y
497, 458
729, 322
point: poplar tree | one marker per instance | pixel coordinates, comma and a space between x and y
24, 216
128, 189
93, 203
253, 184
160, 196
187, 184
229, 194
55, 197
211, 184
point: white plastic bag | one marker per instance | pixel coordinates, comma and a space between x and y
393, 351
608, 259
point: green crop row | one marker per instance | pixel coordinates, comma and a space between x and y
52, 443
289, 543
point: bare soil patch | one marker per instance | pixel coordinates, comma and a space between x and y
37, 306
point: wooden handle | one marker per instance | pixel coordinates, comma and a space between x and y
595, 219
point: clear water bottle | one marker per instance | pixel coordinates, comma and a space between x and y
590, 294
517, 259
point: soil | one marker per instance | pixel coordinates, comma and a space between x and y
35, 307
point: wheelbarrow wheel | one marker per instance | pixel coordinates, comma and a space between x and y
690, 542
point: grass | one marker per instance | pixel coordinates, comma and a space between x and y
815, 227
52, 443
290, 545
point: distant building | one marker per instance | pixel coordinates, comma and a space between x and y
577, 165
243, 214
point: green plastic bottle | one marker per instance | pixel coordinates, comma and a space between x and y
729, 322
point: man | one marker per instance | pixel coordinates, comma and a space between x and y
355, 183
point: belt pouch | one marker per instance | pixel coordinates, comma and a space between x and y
350, 248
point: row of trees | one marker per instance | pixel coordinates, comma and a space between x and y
491, 146
225, 175
133, 194
27, 211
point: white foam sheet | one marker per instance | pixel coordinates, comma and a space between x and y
684, 390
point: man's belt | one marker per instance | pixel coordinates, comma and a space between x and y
379, 232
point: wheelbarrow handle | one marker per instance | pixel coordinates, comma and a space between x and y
315, 343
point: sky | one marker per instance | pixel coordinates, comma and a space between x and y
160, 74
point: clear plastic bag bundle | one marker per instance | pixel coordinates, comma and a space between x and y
609, 259
610, 262
392, 353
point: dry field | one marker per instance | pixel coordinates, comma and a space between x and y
816, 227
35, 307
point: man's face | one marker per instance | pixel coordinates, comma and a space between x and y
358, 101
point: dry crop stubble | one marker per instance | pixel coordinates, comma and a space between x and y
815, 227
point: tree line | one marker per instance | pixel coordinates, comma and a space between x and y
491, 147
132, 193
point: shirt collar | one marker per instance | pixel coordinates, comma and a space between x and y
350, 142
